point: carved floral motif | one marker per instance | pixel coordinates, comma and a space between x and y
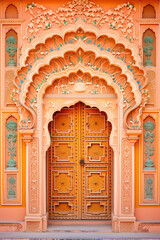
11, 192
11, 49
126, 178
147, 49
119, 18
11, 139
86, 12
87, 59
148, 143
34, 176
148, 189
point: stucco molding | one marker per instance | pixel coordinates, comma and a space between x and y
98, 53
61, 31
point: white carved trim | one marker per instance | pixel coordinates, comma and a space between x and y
86, 27
98, 53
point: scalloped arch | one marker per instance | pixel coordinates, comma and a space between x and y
97, 52
26, 74
74, 27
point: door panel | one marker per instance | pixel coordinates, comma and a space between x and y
79, 164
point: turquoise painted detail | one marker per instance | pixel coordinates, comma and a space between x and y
11, 49
149, 148
147, 49
148, 189
30, 5
11, 192
11, 139
48, 26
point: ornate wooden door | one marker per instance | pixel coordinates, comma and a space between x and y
79, 164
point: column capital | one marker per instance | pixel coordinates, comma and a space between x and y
27, 134
133, 135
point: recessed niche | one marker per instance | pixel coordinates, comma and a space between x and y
149, 12
11, 12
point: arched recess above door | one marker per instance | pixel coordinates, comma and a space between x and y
125, 73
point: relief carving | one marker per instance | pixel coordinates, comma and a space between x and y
34, 176
126, 177
11, 227
151, 75
11, 126
119, 18
11, 192
147, 49
11, 49
148, 189
148, 144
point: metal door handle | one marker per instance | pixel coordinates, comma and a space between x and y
82, 162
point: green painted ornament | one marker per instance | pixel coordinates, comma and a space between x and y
147, 49
11, 138
11, 49
148, 189
11, 192
149, 148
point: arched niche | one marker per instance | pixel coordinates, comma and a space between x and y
11, 41
11, 12
149, 48
149, 12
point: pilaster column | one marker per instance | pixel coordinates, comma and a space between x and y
27, 138
133, 136
33, 219
126, 219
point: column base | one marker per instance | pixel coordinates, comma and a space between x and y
124, 224
36, 223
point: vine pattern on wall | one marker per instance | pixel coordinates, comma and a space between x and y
11, 49
126, 179
88, 60
147, 49
34, 173
119, 18
148, 144
11, 139
11, 192
149, 189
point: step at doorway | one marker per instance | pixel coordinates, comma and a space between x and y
79, 226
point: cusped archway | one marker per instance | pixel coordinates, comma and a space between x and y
118, 63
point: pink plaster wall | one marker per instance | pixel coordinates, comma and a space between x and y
147, 214
12, 214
